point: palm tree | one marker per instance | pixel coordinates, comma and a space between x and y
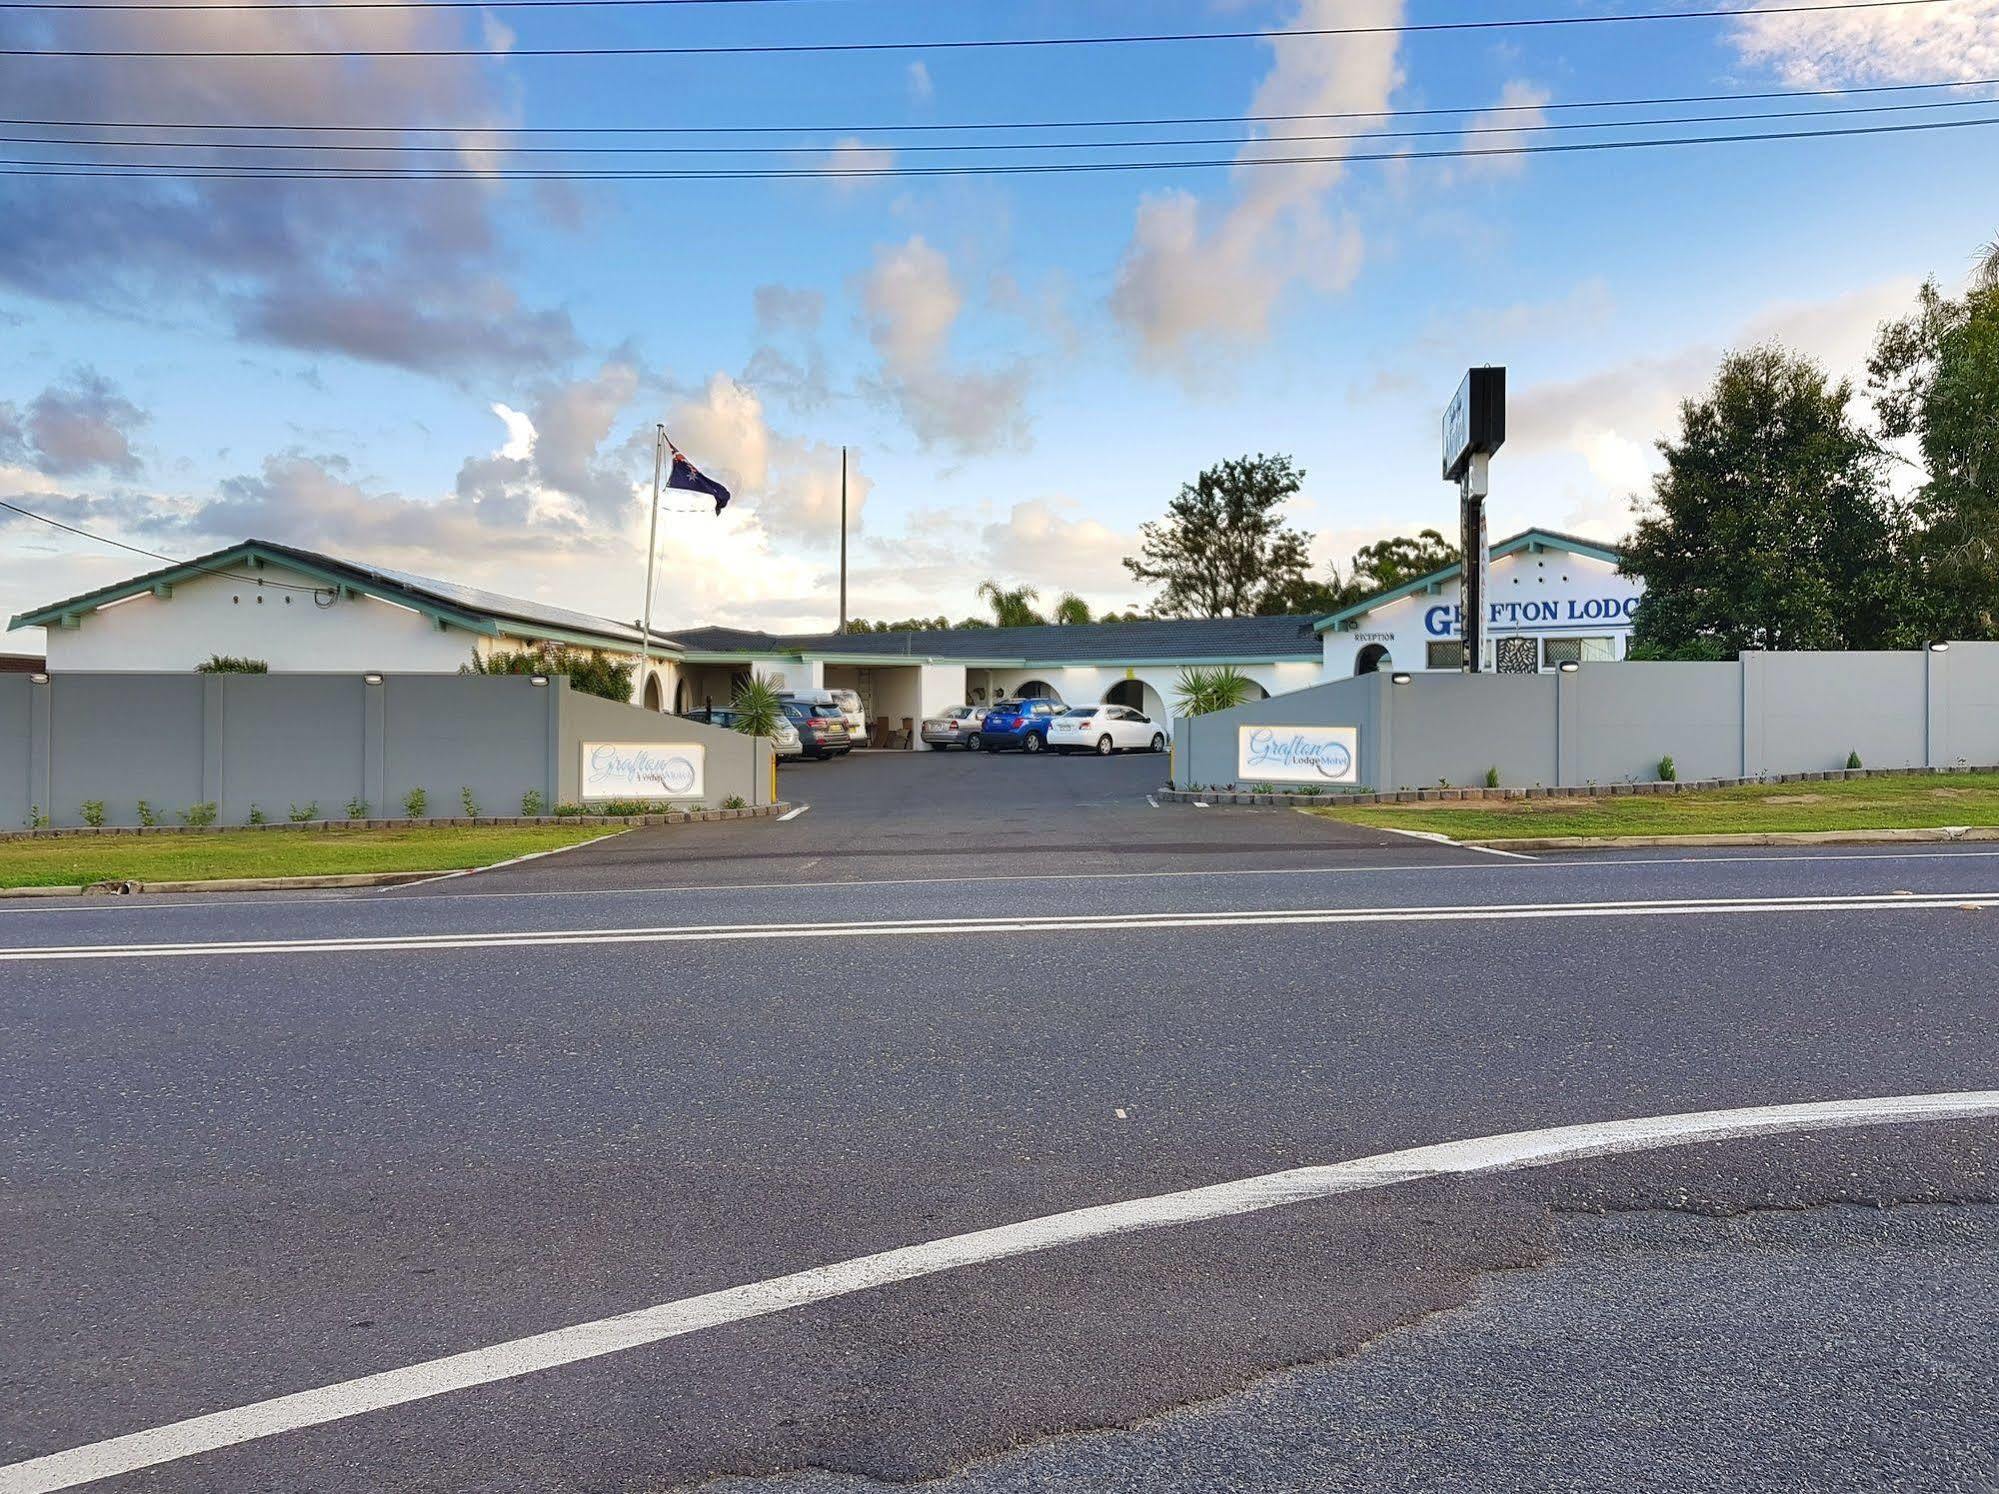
1201, 691
1070, 608
758, 710
1012, 609
1986, 276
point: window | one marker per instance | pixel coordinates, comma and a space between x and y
1559, 651
1447, 655
1599, 650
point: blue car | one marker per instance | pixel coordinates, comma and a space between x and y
1018, 723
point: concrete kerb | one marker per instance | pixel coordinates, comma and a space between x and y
122, 888
1936, 835
335, 827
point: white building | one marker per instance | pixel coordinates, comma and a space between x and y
1552, 598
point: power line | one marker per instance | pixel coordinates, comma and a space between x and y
104, 539
1658, 101
12, 166
862, 147
281, 5
736, 49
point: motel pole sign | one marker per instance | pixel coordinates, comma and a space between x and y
1474, 428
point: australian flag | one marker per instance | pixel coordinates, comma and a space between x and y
690, 477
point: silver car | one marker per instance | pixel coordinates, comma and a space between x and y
957, 727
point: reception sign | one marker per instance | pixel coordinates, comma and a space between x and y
644, 770
1297, 754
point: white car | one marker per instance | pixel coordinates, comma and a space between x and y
1104, 729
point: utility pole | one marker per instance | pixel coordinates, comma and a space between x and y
843, 539
652, 553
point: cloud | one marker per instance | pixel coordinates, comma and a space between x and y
1917, 43
1523, 106
407, 277
1050, 542
911, 305
784, 308
73, 427
792, 485
851, 156
1198, 277
921, 89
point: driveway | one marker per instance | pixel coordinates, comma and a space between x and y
881, 816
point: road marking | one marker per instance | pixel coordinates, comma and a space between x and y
473, 871
649, 1325
1016, 924
1152, 801
1744, 855
792, 814
1444, 840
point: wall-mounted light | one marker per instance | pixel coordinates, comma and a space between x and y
371, 679
38, 679
537, 679
1401, 679
1939, 648
1568, 666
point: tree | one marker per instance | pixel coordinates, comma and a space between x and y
758, 709
1014, 608
1201, 691
1771, 526
593, 674
1375, 568
1986, 276
1935, 381
1223, 547
1069, 609
231, 664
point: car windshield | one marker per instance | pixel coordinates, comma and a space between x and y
847, 699
1081, 711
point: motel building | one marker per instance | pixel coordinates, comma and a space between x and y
1555, 598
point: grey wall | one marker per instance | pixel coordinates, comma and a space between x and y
1612, 723
278, 740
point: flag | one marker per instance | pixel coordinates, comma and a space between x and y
689, 477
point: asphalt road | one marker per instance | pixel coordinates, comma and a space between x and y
566, 1091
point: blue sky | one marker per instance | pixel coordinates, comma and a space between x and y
460, 378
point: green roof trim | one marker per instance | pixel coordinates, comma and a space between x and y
1531, 540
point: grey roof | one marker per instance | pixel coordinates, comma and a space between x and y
494, 604
1244, 638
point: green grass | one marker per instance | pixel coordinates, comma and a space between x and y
60, 861
1920, 801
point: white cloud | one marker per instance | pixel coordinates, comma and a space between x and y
921, 89
1910, 44
1523, 106
791, 485
1195, 276
851, 156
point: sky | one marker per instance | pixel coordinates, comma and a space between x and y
461, 377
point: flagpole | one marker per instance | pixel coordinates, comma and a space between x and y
652, 554
843, 539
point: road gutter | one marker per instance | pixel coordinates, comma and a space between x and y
1937, 835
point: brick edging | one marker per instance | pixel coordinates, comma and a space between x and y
1354, 799
335, 827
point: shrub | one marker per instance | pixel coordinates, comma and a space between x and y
147, 814
593, 674
36, 819
568, 811
1852, 761
532, 803
93, 813
1668, 773
415, 802
758, 710
1492, 777
198, 814
229, 664
1199, 692
257, 815
471, 804
357, 809
300, 813
735, 801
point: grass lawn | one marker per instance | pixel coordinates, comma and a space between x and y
59, 861
1921, 801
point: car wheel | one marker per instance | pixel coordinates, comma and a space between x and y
1105, 746
1158, 742
1032, 743
972, 743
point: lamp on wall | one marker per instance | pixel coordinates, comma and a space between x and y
371, 679
38, 679
537, 679
1568, 666
1939, 648
1401, 679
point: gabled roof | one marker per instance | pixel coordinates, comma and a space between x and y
1527, 539
1245, 640
446, 602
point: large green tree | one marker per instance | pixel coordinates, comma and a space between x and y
1381, 566
1935, 381
1223, 547
1770, 526
1013, 607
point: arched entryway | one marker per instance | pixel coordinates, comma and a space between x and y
1139, 696
1037, 690
679, 697
1372, 659
652, 702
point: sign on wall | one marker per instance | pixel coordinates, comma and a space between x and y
644, 770
1297, 754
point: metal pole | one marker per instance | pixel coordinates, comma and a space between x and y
1476, 568
652, 553
843, 539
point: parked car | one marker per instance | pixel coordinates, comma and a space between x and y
1104, 729
822, 730
957, 727
786, 735
1018, 723
844, 703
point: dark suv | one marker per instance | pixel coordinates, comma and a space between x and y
819, 735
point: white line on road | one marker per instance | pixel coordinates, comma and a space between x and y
649, 1325
1444, 840
473, 871
1008, 925
792, 814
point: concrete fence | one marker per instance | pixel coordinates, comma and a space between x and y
284, 741
1764, 714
